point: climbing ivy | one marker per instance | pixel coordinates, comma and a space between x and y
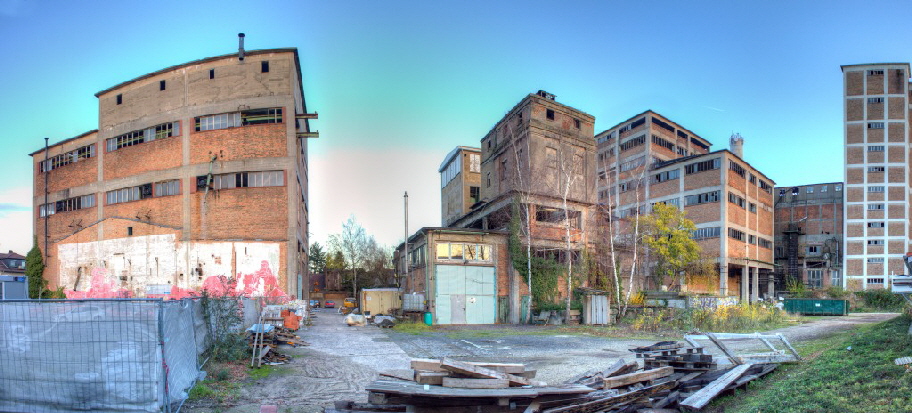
545, 272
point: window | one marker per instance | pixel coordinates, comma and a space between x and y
129, 231
162, 131
503, 169
460, 251
212, 73
680, 150
235, 119
781, 192
752, 207
632, 164
875, 280
875, 125
632, 125
823, 189
450, 172
735, 234
810, 189
875, 100
624, 187
69, 204
875, 148
475, 193
122, 195
667, 175
738, 169
702, 198
765, 186
558, 216
549, 113
488, 180
752, 239
249, 180
875, 207
813, 249
703, 166
474, 162
633, 143
875, 72
119, 98
264, 66
838, 188
161, 85
875, 189
765, 243
795, 191
663, 143
815, 278
73, 156
875, 169
702, 233
166, 188
735, 199
576, 123
673, 201
875, 260
879, 224
875, 242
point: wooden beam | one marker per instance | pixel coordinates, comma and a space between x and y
426, 365
401, 374
607, 403
475, 383
511, 368
631, 378
431, 377
474, 371
703, 396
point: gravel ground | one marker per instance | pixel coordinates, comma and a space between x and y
342, 360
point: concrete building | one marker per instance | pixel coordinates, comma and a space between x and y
460, 183
809, 239
463, 275
196, 176
650, 159
877, 184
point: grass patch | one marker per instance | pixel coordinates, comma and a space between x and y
835, 379
413, 328
219, 391
263, 372
723, 319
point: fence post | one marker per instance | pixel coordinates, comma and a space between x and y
166, 398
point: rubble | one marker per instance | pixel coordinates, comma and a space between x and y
673, 377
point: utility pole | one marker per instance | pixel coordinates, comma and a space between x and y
405, 261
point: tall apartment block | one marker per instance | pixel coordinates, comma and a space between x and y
196, 177
809, 239
877, 184
649, 159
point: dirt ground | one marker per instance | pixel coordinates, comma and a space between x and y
342, 360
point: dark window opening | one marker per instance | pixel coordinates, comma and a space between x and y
264, 66
558, 216
576, 123
145, 191
212, 73
240, 180
129, 231
119, 99
475, 194
161, 85
549, 114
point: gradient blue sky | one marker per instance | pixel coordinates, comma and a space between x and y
398, 84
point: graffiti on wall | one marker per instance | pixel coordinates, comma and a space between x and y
160, 266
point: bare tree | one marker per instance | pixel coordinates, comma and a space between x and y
352, 242
523, 190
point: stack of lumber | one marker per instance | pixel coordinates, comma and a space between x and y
470, 375
274, 337
270, 356
673, 354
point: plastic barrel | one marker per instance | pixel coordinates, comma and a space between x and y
428, 318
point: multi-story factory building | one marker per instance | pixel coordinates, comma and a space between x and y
877, 183
460, 183
809, 239
196, 176
649, 159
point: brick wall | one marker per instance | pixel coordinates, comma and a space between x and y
246, 213
854, 83
254, 141
145, 157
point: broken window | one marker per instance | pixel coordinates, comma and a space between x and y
161, 85
475, 194
235, 119
558, 216
119, 98
166, 188
735, 234
576, 123
633, 142
248, 180
73, 156
162, 131
69, 204
549, 114
703, 198
738, 169
703, 166
212, 73
264, 66
663, 143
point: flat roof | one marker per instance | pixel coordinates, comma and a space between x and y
806, 185
425, 230
719, 152
449, 157
64, 141
843, 67
206, 60
650, 111
529, 98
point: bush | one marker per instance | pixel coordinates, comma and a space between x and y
881, 300
837, 293
744, 317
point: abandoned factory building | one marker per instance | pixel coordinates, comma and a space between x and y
809, 238
196, 176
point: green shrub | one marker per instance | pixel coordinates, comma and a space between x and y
836, 292
881, 300
744, 317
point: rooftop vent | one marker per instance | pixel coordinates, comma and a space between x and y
545, 95
241, 46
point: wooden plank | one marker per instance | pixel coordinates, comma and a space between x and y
613, 401
619, 368
426, 364
631, 378
715, 339
417, 390
732, 336
475, 383
401, 374
431, 377
529, 374
511, 368
765, 358
470, 370
703, 396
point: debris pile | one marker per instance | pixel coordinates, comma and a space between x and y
672, 377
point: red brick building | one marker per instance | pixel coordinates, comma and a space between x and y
196, 176
809, 238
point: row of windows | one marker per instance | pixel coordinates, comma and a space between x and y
633, 164
165, 130
765, 243
460, 251
875, 100
703, 198
673, 201
73, 156
738, 169
879, 224
875, 242
876, 148
876, 169
70, 204
162, 85
735, 199
632, 125
875, 125
663, 143
736, 234
876, 189
709, 165
667, 175
810, 189
450, 172
244, 180
633, 143
875, 207
235, 119
709, 232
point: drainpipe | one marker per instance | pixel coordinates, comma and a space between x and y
46, 215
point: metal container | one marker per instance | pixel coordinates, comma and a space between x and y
811, 306
413, 302
428, 318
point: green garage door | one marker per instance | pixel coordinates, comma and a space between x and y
466, 294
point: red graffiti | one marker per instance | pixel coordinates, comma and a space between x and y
99, 288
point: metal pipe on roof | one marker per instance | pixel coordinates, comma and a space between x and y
241, 46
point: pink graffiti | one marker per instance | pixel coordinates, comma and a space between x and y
99, 288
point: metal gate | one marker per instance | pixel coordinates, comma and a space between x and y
466, 294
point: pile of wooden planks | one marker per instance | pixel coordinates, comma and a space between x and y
274, 337
683, 360
447, 372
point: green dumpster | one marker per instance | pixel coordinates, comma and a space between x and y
813, 306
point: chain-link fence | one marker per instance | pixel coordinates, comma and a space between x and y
105, 355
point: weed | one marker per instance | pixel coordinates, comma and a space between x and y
266, 371
413, 328
735, 318
881, 300
201, 391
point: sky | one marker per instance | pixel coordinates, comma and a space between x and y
398, 84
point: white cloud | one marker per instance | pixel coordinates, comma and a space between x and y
16, 219
370, 184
